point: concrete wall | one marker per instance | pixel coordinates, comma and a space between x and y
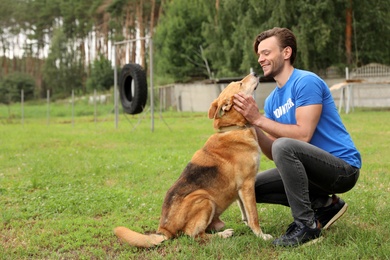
196, 97
373, 92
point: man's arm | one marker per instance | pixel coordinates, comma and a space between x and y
307, 118
265, 142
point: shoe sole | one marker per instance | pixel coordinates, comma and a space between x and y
336, 217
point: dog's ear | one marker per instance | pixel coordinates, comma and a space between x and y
218, 112
213, 109
226, 106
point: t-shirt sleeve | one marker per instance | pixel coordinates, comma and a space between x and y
267, 108
309, 91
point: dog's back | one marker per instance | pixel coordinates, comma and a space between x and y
218, 174
215, 173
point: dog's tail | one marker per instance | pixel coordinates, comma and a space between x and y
137, 239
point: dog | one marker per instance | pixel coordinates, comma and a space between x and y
220, 173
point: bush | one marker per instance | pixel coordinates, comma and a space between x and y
102, 75
12, 84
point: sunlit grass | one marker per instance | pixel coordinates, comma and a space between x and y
64, 187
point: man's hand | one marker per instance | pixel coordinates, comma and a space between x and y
246, 105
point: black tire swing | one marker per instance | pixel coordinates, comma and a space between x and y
133, 88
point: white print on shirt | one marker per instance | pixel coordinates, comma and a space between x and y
283, 109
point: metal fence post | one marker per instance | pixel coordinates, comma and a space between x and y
48, 106
22, 104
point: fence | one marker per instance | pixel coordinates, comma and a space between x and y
93, 106
367, 86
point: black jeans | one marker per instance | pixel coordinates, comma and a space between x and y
303, 179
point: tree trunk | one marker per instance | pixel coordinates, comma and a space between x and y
5, 65
160, 10
152, 18
348, 34
141, 28
83, 64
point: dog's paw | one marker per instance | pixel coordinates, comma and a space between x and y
226, 233
265, 236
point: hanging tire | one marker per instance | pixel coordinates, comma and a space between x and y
133, 89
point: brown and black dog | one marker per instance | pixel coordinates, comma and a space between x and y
221, 172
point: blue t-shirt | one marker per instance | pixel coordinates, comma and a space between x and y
305, 88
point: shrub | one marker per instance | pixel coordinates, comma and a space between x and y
12, 84
102, 75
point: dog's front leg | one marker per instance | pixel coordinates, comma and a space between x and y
243, 212
247, 203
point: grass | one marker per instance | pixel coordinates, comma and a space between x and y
64, 187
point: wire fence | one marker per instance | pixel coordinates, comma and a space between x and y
95, 107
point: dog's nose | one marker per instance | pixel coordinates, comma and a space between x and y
255, 75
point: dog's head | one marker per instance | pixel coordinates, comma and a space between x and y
222, 110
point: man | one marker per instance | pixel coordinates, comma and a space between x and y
302, 132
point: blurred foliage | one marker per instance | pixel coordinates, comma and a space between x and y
102, 75
12, 85
59, 40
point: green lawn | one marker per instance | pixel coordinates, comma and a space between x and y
64, 187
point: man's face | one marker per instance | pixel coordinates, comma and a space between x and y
271, 57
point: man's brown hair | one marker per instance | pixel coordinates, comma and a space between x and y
285, 38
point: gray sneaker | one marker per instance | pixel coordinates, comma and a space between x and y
328, 215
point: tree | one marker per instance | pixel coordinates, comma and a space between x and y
63, 71
178, 39
229, 35
77, 24
231, 29
85, 24
12, 85
192, 40
319, 28
102, 75
6, 22
371, 36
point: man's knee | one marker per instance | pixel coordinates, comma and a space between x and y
280, 146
